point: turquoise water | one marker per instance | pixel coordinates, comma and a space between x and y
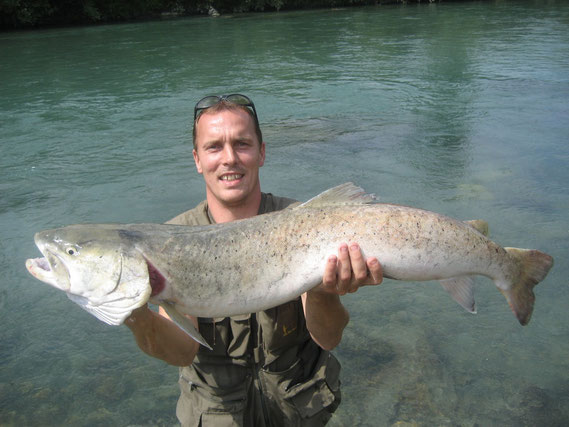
458, 108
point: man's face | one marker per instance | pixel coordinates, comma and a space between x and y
228, 155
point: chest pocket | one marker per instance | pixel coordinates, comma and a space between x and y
228, 336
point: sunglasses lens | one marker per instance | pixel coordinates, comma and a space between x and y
210, 101
239, 99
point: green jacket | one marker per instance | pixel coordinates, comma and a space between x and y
264, 369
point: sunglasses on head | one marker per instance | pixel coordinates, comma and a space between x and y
234, 98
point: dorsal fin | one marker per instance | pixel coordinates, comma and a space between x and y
345, 194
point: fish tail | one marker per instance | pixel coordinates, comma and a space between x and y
534, 266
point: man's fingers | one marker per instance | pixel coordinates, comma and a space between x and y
344, 269
349, 270
375, 270
358, 264
330, 277
359, 268
365, 272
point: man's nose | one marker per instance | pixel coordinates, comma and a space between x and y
229, 156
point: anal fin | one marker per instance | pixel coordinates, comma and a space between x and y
461, 289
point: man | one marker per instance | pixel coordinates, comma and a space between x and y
270, 368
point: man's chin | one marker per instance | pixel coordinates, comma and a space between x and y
233, 196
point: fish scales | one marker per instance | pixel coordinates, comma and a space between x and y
279, 256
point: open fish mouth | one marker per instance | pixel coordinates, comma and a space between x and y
43, 264
49, 269
41, 270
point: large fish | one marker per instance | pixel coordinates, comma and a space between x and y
257, 263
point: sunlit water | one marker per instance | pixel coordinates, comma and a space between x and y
458, 108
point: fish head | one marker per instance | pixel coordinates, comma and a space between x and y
73, 264
96, 267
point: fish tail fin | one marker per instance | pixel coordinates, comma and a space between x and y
534, 266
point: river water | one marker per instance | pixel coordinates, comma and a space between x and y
459, 108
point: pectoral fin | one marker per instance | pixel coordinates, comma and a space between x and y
112, 312
461, 289
183, 323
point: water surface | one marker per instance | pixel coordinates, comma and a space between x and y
458, 108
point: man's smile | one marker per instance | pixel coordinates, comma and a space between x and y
231, 177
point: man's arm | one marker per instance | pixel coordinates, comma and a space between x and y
325, 315
159, 337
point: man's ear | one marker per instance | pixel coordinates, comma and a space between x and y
262, 154
197, 160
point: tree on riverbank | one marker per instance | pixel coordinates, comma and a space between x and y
40, 13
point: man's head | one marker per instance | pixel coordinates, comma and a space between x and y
216, 103
228, 152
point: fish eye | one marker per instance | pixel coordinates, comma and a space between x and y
71, 251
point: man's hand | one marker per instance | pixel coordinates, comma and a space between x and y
326, 317
349, 270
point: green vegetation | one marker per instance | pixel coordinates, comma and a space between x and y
40, 13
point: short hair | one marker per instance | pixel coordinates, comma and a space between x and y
225, 105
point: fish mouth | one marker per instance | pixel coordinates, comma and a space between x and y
50, 269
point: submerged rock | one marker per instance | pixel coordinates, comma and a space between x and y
213, 12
